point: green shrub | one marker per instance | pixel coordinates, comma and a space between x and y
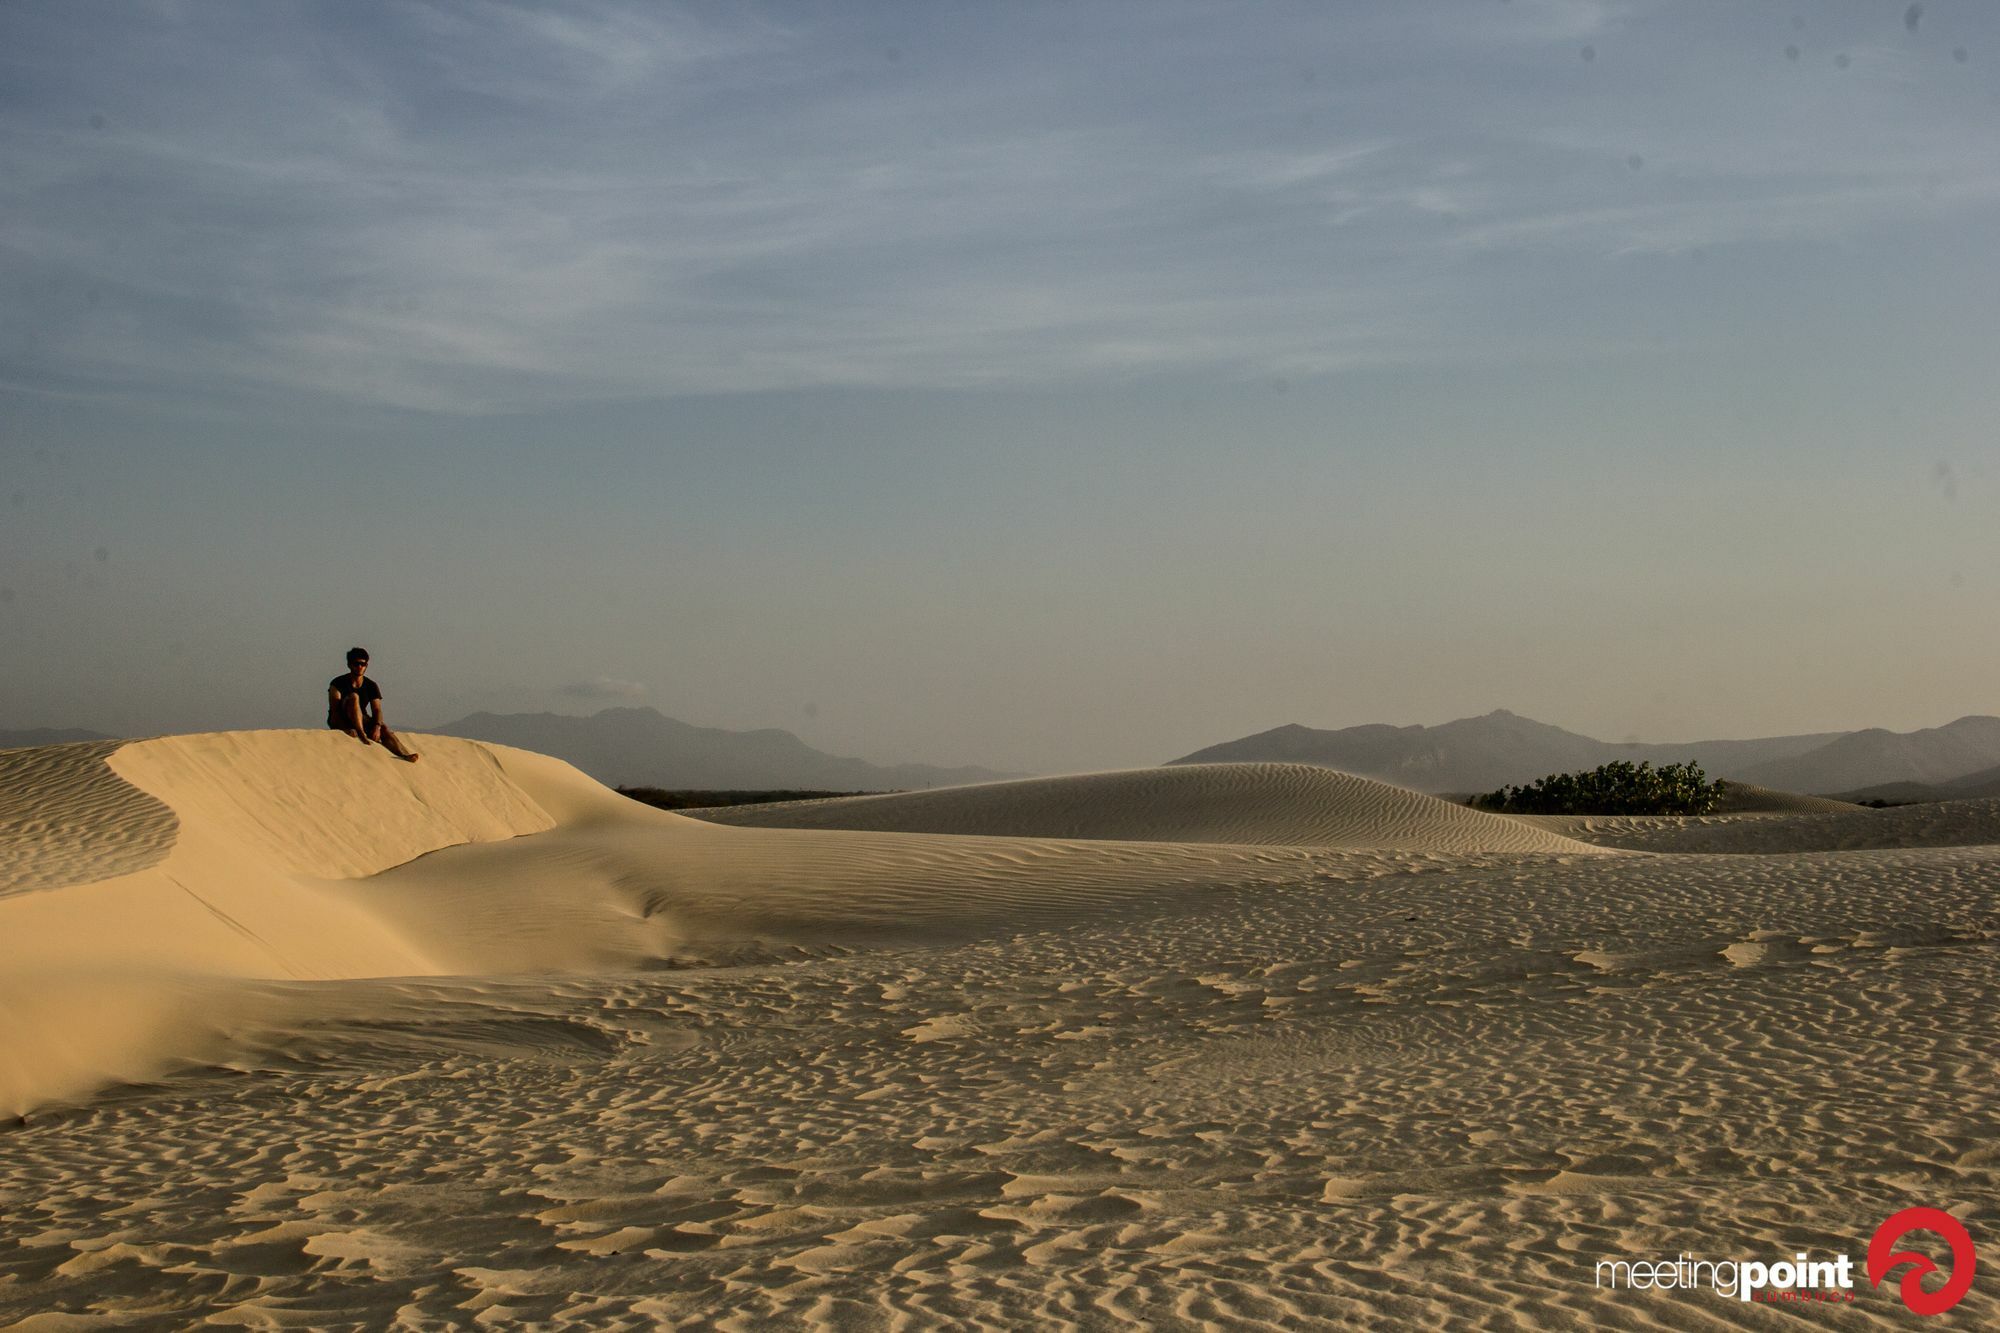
1620, 788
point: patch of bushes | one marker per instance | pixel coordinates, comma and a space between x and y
1620, 788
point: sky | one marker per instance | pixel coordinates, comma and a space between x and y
1043, 386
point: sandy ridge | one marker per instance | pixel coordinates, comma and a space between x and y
1250, 803
1749, 798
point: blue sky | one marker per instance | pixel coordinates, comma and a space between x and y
1047, 386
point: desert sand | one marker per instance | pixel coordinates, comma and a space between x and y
298, 1036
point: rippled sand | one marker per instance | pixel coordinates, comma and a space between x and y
306, 1037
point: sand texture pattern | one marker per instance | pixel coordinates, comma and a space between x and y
66, 818
579, 1063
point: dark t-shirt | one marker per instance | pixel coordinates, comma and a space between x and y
337, 714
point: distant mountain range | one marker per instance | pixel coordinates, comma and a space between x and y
1478, 754
638, 747
1862, 758
642, 747
1986, 782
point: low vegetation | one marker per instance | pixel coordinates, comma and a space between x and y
1620, 788
688, 799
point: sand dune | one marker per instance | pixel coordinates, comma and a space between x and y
1747, 798
480, 1042
304, 855
1272, 804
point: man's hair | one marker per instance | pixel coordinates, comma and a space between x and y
357, 655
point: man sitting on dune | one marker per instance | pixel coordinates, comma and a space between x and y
354, 705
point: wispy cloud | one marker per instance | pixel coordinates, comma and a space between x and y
465, 208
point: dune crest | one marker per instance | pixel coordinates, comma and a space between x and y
321, 804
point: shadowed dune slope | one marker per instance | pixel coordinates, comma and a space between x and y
66, 818
1267, 804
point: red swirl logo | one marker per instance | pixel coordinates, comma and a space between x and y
1883, 1257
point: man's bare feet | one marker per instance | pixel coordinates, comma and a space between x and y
410, 758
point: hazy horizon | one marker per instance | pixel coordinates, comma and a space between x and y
584, 711
1037, 388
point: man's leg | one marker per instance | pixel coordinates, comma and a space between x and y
396, 746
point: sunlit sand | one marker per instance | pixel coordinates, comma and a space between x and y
303, 1036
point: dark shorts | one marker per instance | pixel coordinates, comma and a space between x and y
335, 722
